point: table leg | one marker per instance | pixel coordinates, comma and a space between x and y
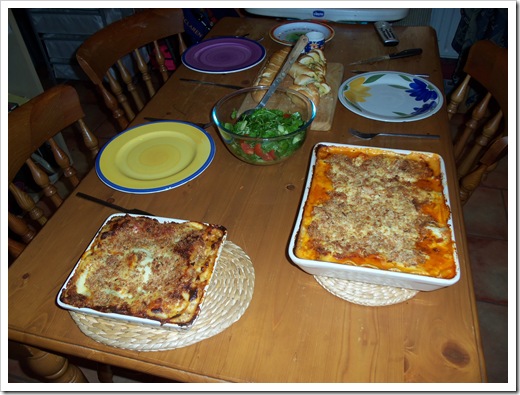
104, 373
52, 367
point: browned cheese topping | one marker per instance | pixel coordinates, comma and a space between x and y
140, 267
378, 209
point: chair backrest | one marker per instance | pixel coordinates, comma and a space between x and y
117, 56
486, 70
32, 126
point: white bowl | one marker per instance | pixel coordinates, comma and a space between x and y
366, 274
145, 322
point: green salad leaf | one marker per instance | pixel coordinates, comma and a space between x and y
266, 123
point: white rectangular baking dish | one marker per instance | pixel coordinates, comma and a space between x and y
129, 318
365, 274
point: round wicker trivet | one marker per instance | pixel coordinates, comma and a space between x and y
364, 293
227, 298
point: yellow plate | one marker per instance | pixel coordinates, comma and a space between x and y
155, 157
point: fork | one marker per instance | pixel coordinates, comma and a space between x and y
370, 136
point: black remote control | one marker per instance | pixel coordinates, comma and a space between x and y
387, 34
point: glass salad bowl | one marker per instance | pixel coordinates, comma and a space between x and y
266, 136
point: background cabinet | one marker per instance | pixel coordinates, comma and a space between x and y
58, 32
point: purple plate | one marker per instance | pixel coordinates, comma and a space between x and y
223, 55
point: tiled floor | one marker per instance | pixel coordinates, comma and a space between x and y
486, 218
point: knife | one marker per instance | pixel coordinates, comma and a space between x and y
111, 205
403, 54
201, 125
212, 83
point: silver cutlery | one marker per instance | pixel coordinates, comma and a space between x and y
111, 205
212, 83
201, 125
230, 35
241, 36
284, 70
369, 136
397, 55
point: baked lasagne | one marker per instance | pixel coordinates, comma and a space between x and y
144, 268
380, 209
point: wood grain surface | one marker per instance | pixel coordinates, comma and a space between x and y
293, 330
327, 106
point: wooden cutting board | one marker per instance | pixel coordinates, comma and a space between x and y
327, 106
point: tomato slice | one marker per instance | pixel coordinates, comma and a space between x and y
265, 156
247, 148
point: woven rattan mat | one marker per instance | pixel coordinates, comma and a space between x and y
227, 298
364, 293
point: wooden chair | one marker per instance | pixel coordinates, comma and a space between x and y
496, 151
102, 56
31, 126
486, 72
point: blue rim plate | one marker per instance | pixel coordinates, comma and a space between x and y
155, 157
390, 96
223, 55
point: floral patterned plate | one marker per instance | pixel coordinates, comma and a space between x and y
390, 96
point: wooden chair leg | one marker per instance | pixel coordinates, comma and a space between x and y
104, 373
51, 367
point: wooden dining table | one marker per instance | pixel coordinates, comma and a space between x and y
293, 330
